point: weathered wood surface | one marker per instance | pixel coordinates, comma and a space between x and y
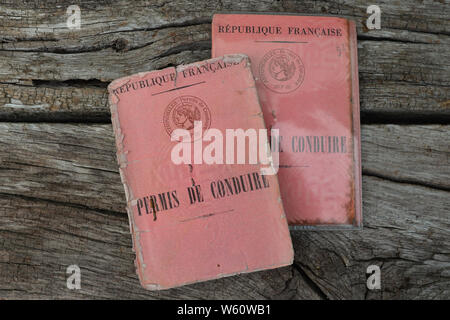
61, 200
70, 210
49, 72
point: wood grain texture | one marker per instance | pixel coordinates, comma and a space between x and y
403, 67
46, 20
414, 62
406, 233
42, 238
62, 203
61, 199
381, 101
75, 163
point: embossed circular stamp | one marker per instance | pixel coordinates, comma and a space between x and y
281, 70
183, 111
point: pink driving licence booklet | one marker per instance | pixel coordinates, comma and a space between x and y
197, 221
307, 79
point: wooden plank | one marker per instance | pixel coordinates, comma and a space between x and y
61, 200
40, 239
62, 203
403, 102
76, 164
423, 64
66, 163
381, 101
418, 154
25, 101
51, 73
107, 64
406, 233
26, 21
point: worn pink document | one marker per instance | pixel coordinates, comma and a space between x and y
195, 221
307, 80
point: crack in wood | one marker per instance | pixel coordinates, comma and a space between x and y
371, 173
297, 266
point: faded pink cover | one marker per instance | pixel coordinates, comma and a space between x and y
307, 79
182, 243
